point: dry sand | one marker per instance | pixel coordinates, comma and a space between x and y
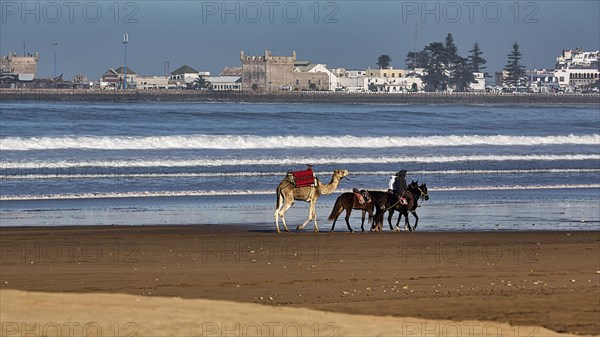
526, 279
128, 315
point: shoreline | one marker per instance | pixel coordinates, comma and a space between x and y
131, 96
216, 228
545, 278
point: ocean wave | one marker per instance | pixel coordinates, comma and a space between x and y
233, 142
254, 174
287, 161
208, 193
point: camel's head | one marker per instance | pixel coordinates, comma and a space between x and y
340, 173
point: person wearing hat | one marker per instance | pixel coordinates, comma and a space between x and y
401, 188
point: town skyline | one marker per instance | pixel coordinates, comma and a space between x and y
208, 36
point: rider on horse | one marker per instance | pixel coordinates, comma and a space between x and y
400, 188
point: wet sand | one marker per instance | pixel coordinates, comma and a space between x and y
546, 279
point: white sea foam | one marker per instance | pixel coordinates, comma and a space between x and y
229, 142
256, 174
148, 194
288, 161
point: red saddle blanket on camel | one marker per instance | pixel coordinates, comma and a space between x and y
304, 178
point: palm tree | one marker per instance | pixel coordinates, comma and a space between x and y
200, 83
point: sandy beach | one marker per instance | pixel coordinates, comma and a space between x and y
540, 280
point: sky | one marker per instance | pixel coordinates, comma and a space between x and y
209, 35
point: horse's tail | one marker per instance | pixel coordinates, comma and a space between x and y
337, 209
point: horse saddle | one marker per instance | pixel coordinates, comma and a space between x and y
362, 196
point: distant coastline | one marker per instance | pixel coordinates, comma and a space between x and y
118, 96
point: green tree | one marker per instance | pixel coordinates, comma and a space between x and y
436, 77
384, 61
451, 51
476, 62
199, 83
372, 87
461, 75
443, 65
418, 59
516, 70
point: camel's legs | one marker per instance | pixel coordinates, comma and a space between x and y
314, 214
284, 209
308, 219
285, 205
277, 210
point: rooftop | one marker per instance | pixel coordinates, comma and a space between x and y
184, 69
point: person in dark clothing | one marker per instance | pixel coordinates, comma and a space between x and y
401, 188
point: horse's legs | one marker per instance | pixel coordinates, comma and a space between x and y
375, 219
333, 225
348, 212
362, 223
391, 211
414, 213
400, 213
377, 225
406, 223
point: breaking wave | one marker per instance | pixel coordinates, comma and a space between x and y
155, 194
122, 175
231, 142
287, 161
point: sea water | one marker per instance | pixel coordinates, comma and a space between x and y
506, 167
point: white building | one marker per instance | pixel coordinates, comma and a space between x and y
577, 68
308, 67
185, 75
225, 83
354, 84
352, 81
542, 80
395, 84
577, 58
152, 82
479, 84
576, 78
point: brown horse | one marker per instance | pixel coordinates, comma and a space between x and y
379, 200
418, 192
392, 203
348, 201
388, 203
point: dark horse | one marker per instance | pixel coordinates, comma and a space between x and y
347, 201
392, 203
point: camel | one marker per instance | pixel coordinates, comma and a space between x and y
287, 194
